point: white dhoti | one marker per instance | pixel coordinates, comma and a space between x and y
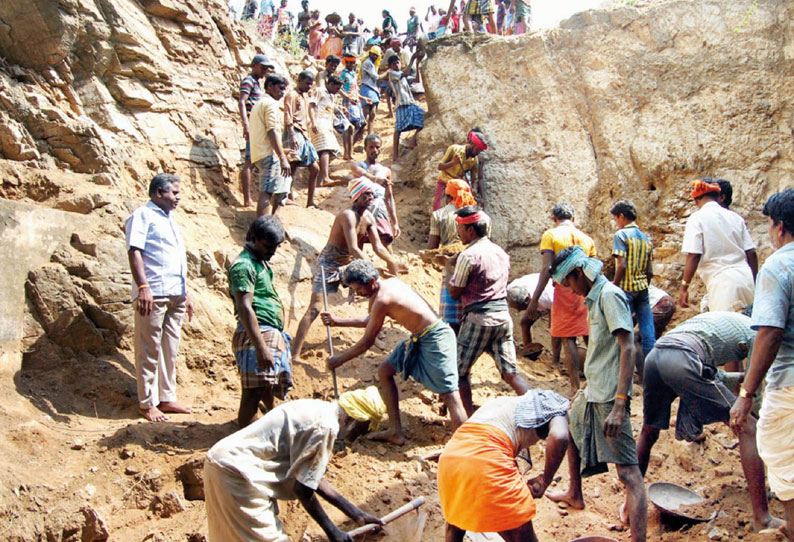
774, 435
731, 289
237, 510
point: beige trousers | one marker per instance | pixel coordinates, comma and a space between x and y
156, 347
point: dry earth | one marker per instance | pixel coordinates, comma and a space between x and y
116, 90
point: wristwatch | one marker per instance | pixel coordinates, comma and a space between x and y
744, 393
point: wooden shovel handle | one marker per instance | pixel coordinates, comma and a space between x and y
388, 518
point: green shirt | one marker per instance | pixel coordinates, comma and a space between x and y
727, 336
607, 312
250, 274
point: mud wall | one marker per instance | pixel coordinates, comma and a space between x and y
623, 103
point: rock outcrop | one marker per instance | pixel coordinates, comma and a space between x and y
616, 104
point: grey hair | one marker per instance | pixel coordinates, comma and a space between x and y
563, 211
266, 228
359, 272
161, 181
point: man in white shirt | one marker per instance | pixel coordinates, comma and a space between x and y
719, 247
284, 455
159, 290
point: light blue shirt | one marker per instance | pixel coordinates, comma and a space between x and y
773, 306
607, 312
156, 234
369, 75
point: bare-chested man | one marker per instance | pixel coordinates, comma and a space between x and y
351, 229
428, 355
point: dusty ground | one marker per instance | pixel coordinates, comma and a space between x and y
74, 440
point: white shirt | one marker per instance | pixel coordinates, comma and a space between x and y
524, 287
720, 236
293, 442
156, 234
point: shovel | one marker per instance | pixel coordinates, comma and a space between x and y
330, 341
388, 518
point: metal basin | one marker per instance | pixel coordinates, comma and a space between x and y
668, 498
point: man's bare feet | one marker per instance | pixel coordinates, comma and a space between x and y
153, 414
577, 503
624, 514
347, 157
173, 406
770, 524
247, 203
388, 436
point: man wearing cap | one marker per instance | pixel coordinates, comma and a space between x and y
284, 455
600, 421
296, 132
351, 103
456, 162
719, 247
250, 92
684, 364
480, 486
351, 229
369, 85
267, 152
428, 356
480, 282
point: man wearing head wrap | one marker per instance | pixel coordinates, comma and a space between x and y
719, 247
568, 313
351, 229
479, 483
480, 282
600, 422
444, 231
384, 208
284, 456
428, 356
459, 160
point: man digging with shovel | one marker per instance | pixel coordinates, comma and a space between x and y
429, 355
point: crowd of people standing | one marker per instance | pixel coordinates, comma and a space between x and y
282, 452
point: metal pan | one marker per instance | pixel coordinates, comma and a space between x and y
668, 498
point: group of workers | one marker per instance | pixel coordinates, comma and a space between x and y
284, 453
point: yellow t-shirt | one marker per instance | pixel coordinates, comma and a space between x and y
564, 236
458, 170
267, 114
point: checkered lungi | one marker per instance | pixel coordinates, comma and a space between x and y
479, 7
448, 308
409, 117
307, 154
474, 339
280, 377
271, 178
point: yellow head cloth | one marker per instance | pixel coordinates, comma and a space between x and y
364, 405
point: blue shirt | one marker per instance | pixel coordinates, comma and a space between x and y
773, 306
607, 312
156, 234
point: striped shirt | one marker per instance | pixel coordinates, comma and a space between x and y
727, 336
481, 270
636, 249
250, 86
442, 224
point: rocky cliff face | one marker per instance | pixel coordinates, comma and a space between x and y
620, 104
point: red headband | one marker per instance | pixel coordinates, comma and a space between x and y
475, 140
471, 219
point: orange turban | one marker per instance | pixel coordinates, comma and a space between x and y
460, 192
701, 188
